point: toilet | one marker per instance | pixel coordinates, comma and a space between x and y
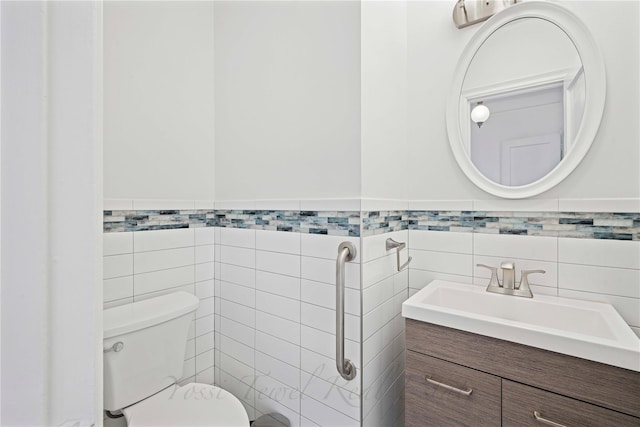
144, 347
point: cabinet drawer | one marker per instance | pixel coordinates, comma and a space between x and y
430, 404
520, 401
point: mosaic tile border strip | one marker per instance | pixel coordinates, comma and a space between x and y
581, 225
335, 223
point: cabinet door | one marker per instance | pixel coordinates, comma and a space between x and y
520, 402
453, 395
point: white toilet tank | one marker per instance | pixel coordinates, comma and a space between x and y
153, 337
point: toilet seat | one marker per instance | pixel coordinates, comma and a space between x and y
193, 404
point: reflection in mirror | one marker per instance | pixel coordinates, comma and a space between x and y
529, 76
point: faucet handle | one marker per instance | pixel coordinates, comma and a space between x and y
524, 278
494, 275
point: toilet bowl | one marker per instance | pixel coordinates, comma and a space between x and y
188, 405
144, 348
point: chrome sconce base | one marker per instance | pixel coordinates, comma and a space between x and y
471, 12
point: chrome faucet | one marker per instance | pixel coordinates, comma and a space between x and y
508, 274
509, 285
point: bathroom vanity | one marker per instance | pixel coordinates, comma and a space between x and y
482, 359
477, 380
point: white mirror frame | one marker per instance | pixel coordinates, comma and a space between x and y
595, 82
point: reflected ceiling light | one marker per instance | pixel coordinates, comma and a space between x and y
480, 113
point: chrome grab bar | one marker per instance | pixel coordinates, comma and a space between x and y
346, 252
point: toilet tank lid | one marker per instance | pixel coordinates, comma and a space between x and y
143, 314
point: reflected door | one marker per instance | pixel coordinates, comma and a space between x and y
525, 160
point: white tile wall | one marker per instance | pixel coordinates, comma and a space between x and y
144, 264
276, 350
383, 291
589, 269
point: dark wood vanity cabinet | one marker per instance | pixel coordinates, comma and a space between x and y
509, 382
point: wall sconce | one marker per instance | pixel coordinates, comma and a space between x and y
480, 113
471, 12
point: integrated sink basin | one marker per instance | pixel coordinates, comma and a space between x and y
590, 330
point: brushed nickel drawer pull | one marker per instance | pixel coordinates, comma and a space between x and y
466, 392
541, 420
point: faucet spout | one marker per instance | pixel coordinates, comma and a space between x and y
508, 274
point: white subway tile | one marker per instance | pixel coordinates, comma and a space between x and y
204, 325
238, 312
239, 275
278, 306
377, 294
145, 262
278, 327
278, 241
242, 257
239, 237
323, 246
237, 369
324, 415
325, 343
238, 294
442, 262
205, 289
205, 308
204, 343
418, 279
163, 239
237, 350
117, 243
513, 246
279, 370
374, 246
204, 236
239, 389
441, 241
163, 279
204, 253
205, 377
340, 400
204, 361
117, 288
279, 284
117, 266
239, 332
279, 349
606, 253
380, 269
324, 270
324, 295
603, 280
325, 367
279, 263
204, 272
324, 319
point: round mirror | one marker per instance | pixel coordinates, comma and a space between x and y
526, 101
